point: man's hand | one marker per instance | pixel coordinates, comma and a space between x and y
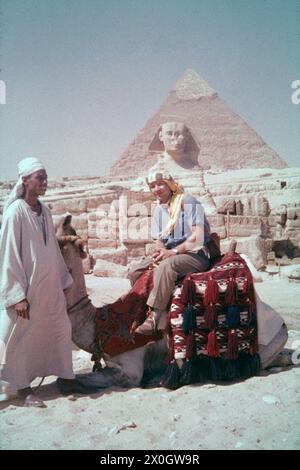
22, 309
161, 254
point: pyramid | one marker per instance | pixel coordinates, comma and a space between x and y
224, 139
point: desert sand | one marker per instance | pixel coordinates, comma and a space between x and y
260, 413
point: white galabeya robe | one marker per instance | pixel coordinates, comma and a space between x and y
32, 268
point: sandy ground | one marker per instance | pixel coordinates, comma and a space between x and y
260, 413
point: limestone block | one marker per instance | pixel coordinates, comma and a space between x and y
217, 220
254, 247
80, 222
292, 233
135, 228
293, 224
208, 203
239, 207
103, 229
221, 231
96, 201
243, 226
136, 203
272, 220
291, 213
280, 219
92, 216
94, 243
261, 206
138, 197
105, 268
238, 230
75, 205
118, 256
289, 248
136, 251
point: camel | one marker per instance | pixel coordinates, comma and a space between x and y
124, 370
128, 368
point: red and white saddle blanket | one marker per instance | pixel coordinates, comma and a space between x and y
212, 325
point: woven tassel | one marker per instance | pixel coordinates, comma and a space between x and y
231, 370
248, 288
170, 349
211, 295
232, 316
212, 345
189, 320
172, 376
215, 372
188, 293
254, 346
232, 345
251, 310
211, 317
231, 293
255, 365
170, 339
189, 373
191, 346
202, 364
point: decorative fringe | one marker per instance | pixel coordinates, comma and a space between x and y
191, 346
215, 369
202, 365
251, 310
211, 295
189, 320
254, 346
190, 373
212, 345
255, 365
211, 317
188, 293
248, 288
231, 370
248, 365
172, 376
232, 345
232, 316
231, 292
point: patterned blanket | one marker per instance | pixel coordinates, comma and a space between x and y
212, 325
114, 321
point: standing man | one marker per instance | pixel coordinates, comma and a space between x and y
35, 331
182, 231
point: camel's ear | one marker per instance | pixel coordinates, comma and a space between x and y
67, 219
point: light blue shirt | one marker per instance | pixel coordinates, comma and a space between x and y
190, 215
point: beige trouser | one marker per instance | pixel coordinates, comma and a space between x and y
166, 274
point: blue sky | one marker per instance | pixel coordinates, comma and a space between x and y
83, 77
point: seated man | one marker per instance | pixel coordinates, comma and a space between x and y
182, 231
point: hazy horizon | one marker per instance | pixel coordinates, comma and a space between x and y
83, 77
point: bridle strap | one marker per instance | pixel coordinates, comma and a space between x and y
69, 309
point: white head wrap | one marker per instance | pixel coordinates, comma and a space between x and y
25, 168
158, 172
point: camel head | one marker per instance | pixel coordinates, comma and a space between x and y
65, 234
72, 249
80, 309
